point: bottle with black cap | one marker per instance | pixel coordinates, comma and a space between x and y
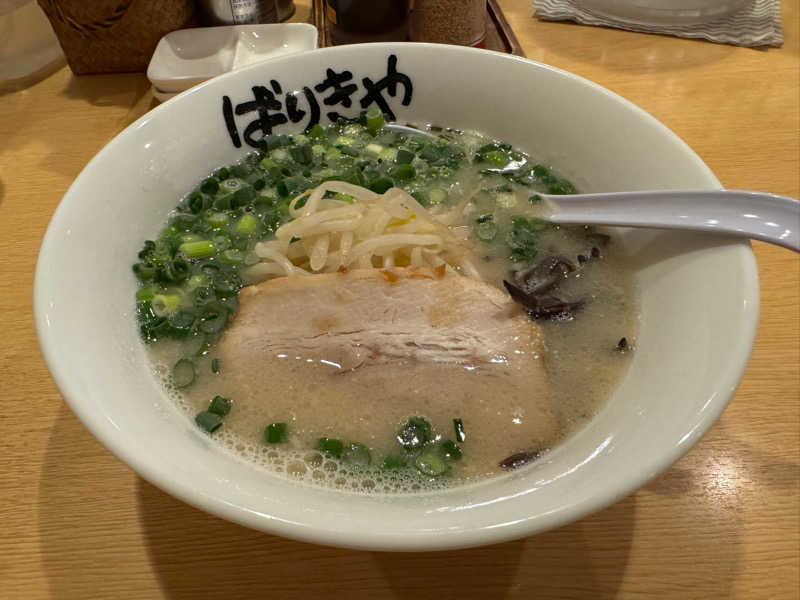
353, 21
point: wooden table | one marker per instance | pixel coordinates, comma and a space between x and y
721, 523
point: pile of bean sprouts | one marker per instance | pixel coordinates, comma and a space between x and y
338, 226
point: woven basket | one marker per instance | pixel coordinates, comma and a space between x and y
114, 36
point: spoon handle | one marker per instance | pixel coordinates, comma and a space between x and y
757, 215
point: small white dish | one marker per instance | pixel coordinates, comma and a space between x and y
187, 57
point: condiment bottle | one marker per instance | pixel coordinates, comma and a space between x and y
461, 22
285, 8
354, 21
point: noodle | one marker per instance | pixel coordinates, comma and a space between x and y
373, 230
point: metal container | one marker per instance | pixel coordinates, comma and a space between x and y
238, 12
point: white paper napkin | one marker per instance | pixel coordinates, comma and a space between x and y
758, 24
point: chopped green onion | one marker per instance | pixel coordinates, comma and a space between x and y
243, 196
374, 149
302, 154
215, 365
224, 202
275, 433
196, 202
388, 154
175, 271
431, 463
146, 294
331, 447
181, 323
523, 239
213, 322
220, 406
210, 185
344, 140
208, 421
280, 155
342, 197
414, 433
183, 373
227, 284
381, 184
222, 242
274, 141
199, 249
497, 158
458, 425
392, 462
316, 132
374, 118
148, 248
451, 450
357, 455
404, 157
144, 271
240, 170
196, 281
247, 225
430, 152
232, 256
217, 219
165, 304
205, 346
404, 171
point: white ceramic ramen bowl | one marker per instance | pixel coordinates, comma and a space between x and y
699, 300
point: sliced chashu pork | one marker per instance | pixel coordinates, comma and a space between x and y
368, 316
353, 354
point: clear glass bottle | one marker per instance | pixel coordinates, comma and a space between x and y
238, 12
461, 22
28, 46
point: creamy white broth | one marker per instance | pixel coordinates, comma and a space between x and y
501, 414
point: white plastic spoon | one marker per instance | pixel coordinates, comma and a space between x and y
756, 215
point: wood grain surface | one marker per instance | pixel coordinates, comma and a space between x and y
723, 522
